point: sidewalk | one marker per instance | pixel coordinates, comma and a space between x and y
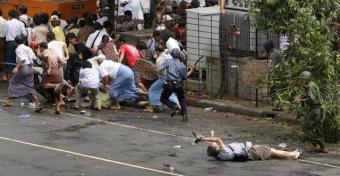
241, 107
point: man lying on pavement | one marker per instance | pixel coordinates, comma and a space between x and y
242, 152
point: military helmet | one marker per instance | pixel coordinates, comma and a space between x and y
305, 75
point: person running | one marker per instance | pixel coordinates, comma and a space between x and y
313, 122
242, 152
175, 73
22, 82
12, 28
51, 80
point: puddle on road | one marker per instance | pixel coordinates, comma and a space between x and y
78, 127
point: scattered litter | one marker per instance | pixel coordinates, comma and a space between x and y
283, 146
214, 110
22, 104
83, 111
209, 109
233, 66
177, 146
193, 143
31, 105
166, 163
172, 169
154, 117
81, 174
24, 116
173, 155
43, 122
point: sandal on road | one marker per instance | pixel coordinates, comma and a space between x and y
197, 136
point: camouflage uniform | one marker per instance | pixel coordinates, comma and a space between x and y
313, 122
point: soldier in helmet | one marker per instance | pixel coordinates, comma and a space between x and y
313, 122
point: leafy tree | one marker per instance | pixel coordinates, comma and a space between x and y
307, 23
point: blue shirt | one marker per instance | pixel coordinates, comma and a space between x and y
175, 70
231, 151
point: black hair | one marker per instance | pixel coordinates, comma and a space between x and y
98, 26
43, 45
166, 34
123, 39
105, 38
81, 23
44, 18
71, 35
156, 33
37, 20
94, 17
160, 48
22, 9
87, 64
0, 12
74, 19
50, 36
56, 13
107, 24
212, 152
128, 13
141, 46
86, 15
13, 14
20, 39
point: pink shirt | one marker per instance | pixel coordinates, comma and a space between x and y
131, 54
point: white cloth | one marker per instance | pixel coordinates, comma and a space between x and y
2, 22
145, 4
161, 60
109, 68
98, 41
13, 28
102, 20
58, 48
202, 3
63, 23
89, 78
135, 7
172, 43
26, 19
24, 53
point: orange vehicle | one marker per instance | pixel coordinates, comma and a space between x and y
66, 7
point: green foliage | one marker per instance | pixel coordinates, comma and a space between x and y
307, 24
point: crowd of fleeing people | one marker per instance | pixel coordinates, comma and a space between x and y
84, 59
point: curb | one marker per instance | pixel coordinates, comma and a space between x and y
238, 109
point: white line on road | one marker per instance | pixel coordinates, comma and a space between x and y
88, 156
317, 163
169, 134
122, 125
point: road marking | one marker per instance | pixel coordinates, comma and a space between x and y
121, 125
88, 156
168, 134
318, 163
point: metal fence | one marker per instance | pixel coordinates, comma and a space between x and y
227, 42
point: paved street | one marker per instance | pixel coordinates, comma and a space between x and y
131, 143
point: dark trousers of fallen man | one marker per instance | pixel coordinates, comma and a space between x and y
176, 87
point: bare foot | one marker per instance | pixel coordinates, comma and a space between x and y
7, 104
115, 108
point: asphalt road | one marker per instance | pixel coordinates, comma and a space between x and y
130, 143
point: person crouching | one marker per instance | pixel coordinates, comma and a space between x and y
88, 85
